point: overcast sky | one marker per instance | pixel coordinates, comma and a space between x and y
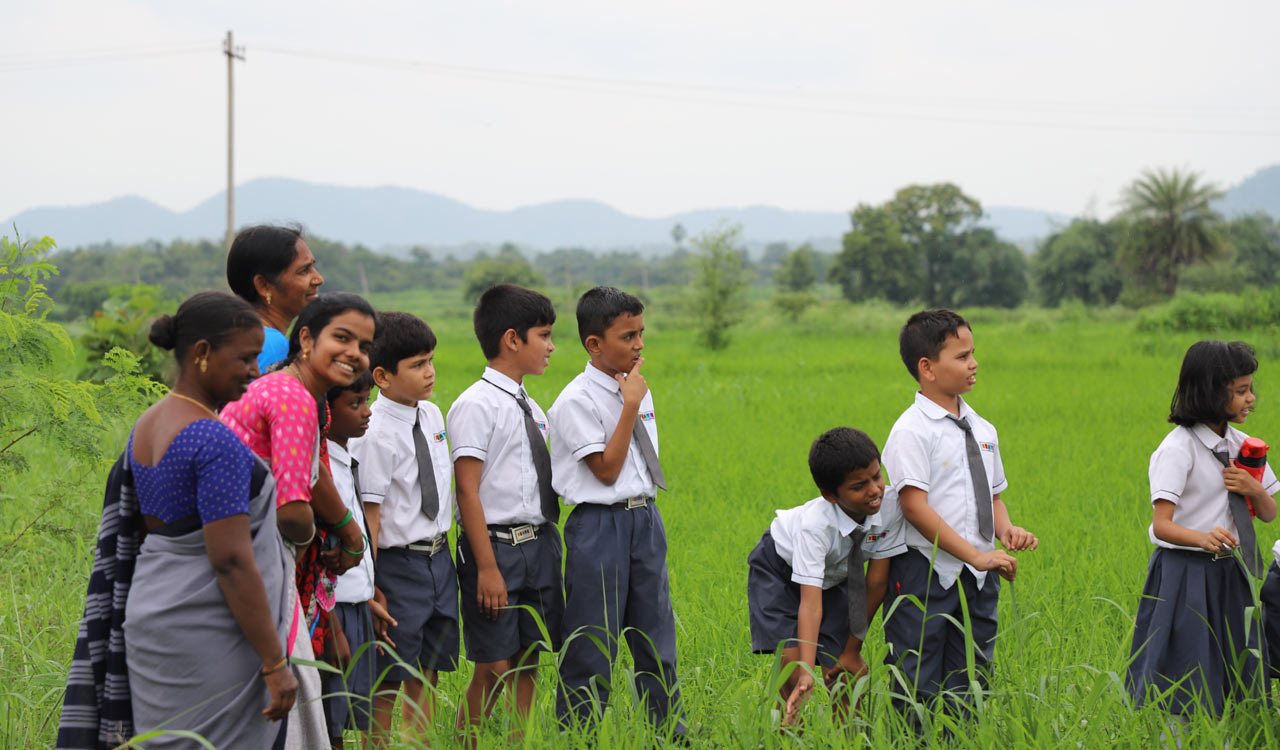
654, 107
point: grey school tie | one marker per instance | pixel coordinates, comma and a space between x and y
541, 462
1244, 524
978, 475
650, 455
857, 584
426, 472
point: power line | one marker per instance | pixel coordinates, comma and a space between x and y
48, 60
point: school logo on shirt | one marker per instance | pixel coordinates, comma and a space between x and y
988, 447
439, 436
542, 426
646, 416
874, 537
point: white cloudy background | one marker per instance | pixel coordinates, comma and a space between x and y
654, 107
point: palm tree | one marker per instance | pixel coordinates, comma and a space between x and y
1172, 224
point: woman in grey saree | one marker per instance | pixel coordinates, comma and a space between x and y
210, 608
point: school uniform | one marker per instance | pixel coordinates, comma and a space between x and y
928, 451
615, 574
348, 705
1191, 624
487, 422
809, 545
413, 569
1270, 597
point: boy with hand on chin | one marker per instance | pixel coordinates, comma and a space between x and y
947, 478
604, 454
806, 587
405, 478
509, 551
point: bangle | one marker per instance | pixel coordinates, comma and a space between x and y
345, 520
308, 540
359, 552
284, 662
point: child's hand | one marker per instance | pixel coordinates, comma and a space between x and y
1218, 541
1017, 539
381, 619
491, 592
996, 559
340, 655
799, 694
632, 385
850, 663
1241, 482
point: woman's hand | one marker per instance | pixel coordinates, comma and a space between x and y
284, 690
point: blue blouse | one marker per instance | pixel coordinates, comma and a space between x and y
206, 470
275, 347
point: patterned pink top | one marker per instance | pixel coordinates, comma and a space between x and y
276, 418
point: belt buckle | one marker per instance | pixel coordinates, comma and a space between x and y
1221, 555
522, 534
637, 502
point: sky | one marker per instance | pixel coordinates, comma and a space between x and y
653, 107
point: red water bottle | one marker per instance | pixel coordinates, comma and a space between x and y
1253, 459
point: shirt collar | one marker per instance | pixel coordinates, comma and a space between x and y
339, 454
1210, 438
502, 381
934, 410
406, 414
597, 376
844, 524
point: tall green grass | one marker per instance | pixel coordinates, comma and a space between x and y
1079, 399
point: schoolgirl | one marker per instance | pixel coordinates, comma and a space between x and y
1191, 643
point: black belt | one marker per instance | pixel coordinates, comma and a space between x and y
632, 503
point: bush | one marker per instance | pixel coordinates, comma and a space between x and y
794, 304
722, 278
124, 321
1214, 312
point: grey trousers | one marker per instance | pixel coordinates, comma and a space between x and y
615, 582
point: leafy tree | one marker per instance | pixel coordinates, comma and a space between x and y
798, 271
794, 304
509, 267
1079, 262
876, 261
1255, 240
722, 277
125, 322
933, 219
1171, 224
984, 270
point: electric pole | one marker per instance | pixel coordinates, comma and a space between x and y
233, 53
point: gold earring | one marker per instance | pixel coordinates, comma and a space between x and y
268, 299
306, 354
204, 364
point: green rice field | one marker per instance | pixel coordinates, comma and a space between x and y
1079, 399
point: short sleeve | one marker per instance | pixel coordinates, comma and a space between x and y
275, 348
223, 468
293, 424
470, 426
1269, 481
809, 556
891, 539
1170, 466
376, 464
998, 481
906, 457
578, 426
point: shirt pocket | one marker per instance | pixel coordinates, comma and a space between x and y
988, 451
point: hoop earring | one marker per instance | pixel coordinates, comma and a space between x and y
204, 364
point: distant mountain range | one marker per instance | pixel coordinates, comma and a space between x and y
394, 219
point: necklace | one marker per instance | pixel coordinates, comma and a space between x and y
197, 403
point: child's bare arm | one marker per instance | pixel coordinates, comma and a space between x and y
373, 519
877, 585
607, 464
491, 589
1217, 539
916, 509
1014, 538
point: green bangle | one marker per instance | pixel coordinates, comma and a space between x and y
359, 552
345, 520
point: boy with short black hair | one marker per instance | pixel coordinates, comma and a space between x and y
405, 478
604, 455
349, 696
807, 591
947, 478
509, 551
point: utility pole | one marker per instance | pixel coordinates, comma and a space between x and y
233, 53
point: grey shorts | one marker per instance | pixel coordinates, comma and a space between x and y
532, 574
773, 601
422, 597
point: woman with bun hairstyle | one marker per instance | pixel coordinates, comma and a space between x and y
208, 610
277, 419
271, 268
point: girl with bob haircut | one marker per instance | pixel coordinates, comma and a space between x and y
1192, 646
278, 419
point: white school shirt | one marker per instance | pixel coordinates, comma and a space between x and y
926, 450
356, 585
487, 423
814, 540
389, 471
1184, 472
583, 419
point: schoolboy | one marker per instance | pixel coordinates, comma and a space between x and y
509, 551
806, 587
348, 701
405, 478
604, 458
948, 477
